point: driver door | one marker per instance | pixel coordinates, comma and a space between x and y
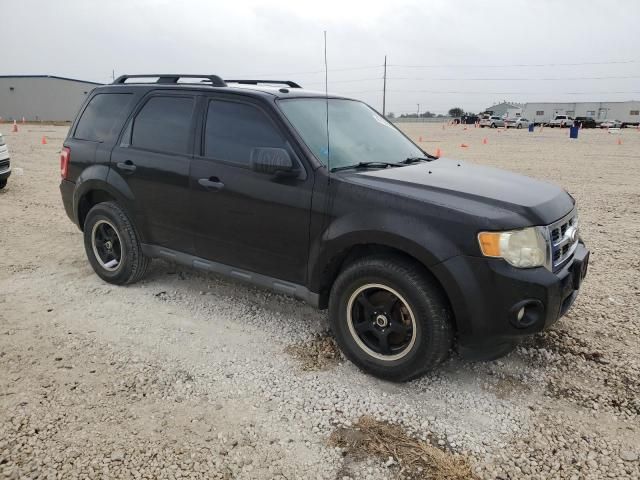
243, 218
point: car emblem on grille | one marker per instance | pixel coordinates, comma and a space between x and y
572, 234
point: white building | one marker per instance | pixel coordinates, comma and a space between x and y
627, 112
41, 97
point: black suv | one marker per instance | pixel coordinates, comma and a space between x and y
320, 197
584, 122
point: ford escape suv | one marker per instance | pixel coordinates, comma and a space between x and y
320, 197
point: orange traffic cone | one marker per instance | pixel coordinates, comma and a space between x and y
44, 140
484, 141
619, 141
15, 127
438, 152
465, 127
463, 145
443, 126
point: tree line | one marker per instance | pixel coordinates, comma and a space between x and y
453, 112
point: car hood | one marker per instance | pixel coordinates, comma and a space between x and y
467, 187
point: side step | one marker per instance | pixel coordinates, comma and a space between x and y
281, 286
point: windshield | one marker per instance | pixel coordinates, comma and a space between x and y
356, 132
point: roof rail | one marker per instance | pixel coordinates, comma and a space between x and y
215, 80
256, 82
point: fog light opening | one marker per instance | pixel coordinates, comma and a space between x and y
527, 313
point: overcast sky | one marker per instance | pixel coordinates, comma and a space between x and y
441, 53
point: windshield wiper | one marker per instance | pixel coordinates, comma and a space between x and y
426, 158
366, 165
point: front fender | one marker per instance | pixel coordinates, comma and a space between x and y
394, 230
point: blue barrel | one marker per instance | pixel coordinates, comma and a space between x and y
531, 125
573, 132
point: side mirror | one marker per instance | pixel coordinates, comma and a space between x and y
272, 161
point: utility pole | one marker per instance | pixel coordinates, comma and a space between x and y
384, 89
113, 75
418, 111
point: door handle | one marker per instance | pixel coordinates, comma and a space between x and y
211, 183
127, 166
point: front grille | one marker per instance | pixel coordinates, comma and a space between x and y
4, 164
564, 239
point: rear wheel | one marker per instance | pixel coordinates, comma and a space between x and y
112, 245
519, 126
493, 125
390, 318
3, 183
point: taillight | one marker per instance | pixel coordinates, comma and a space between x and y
65, 156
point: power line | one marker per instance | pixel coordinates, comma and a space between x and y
315, 72
515, 79
459, 92
515, 65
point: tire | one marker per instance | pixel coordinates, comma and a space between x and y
493, 125
417, 324
109, 236
3, 183
519, 126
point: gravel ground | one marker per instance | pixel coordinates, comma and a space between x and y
192, 376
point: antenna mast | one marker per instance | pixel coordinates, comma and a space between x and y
326, 95
384, 89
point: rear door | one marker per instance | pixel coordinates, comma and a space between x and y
93, 135
153, 159
252, 221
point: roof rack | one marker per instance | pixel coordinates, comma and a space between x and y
256, 82
169, 78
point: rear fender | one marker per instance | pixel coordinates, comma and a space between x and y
94, 178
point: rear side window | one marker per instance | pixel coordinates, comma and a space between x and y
104, 112
163, 124
234, 129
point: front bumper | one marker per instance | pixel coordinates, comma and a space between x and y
487, 294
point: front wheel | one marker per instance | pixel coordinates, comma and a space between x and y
519, 126
493, 125
3, 183
112, 245
390, 317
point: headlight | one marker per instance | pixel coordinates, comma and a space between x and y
524, 248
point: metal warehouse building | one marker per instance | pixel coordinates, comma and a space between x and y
42, 97
627, 112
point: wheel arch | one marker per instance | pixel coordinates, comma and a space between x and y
91, 191
343, 258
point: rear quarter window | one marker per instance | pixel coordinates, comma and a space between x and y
104, 114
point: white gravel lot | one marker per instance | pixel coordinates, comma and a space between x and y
187, 376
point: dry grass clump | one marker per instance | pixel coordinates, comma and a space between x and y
416, 459
317, 354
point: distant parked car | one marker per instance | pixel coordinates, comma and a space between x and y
492, 121
469, 119
561, 121
611, 124
5, 166
516, 122
585, 122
